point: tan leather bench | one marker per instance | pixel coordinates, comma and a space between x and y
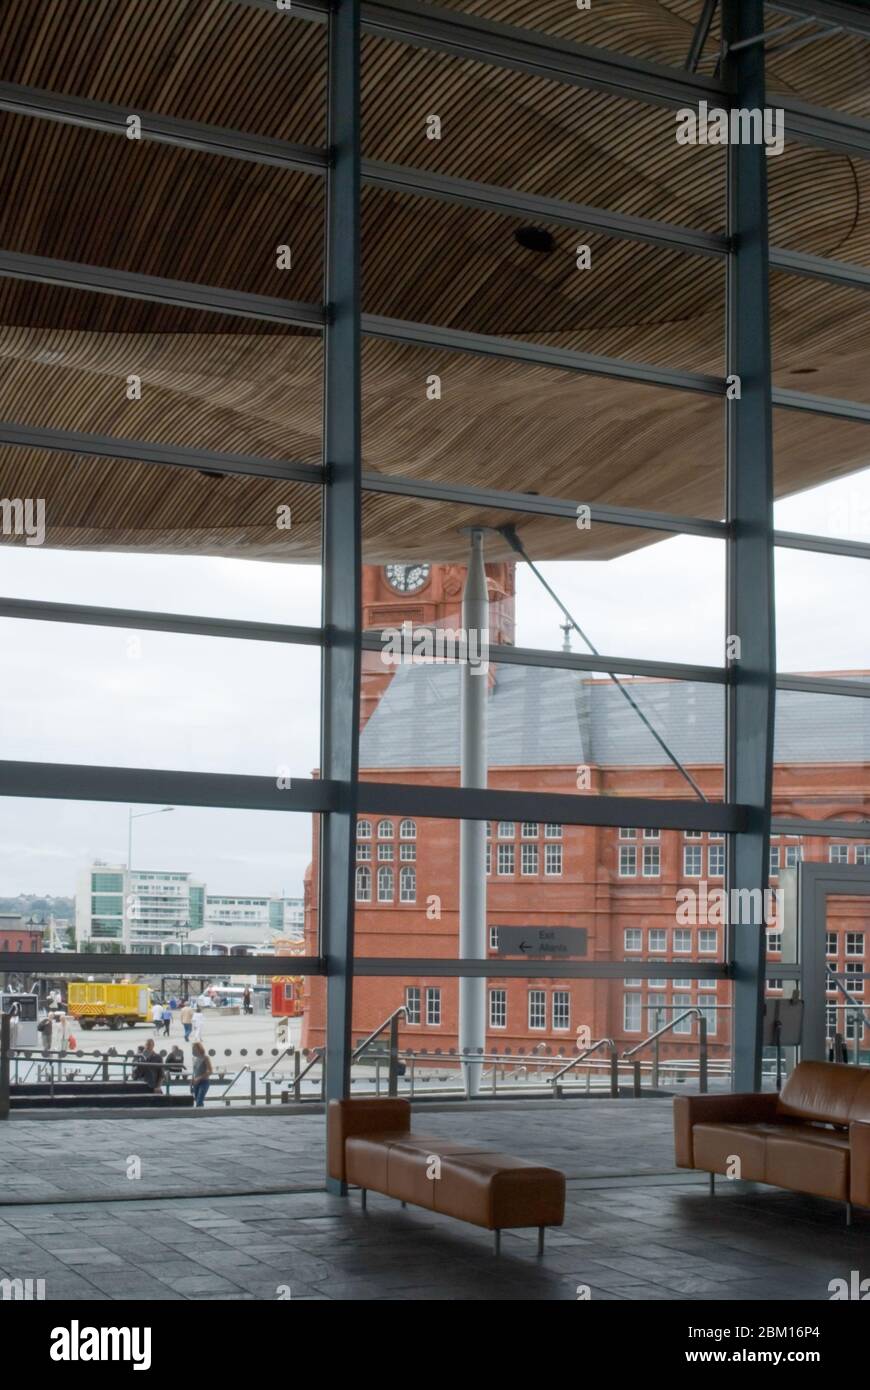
371, 1146
814, 1136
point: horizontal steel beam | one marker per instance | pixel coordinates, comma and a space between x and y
828, 129
524, 50
535, 969
147, 786
821, 685
823, 545
820, 268
154, 963
537, 354
821, 405
400, 485
469, 803
88, 114
144, 451
154, 289
834, 829
39, 610
573, 661
513, 203
853, 18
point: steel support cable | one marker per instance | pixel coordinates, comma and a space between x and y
510, 534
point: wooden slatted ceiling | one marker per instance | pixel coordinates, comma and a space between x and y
228, 384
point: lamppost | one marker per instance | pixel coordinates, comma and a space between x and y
137, 815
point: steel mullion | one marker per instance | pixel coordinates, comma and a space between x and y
40, 610
158, 786
537, 354
823, 545
436, 967
830, 829
535, 505
573, 661
156, 963
155, 289
821, 405
821, 685
144, 451
855, 19
490, 803
84, 112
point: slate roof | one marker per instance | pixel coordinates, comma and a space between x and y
542, 717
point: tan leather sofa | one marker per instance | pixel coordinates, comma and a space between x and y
370, 1144
814, 1136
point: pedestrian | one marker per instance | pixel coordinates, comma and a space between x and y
149, 1068
246, 999
157, 1017
186, 1019
201, 1074
43, 1028
175, 1061
196, 1031
167, 1019
58, 1032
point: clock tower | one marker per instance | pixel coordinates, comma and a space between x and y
426, 595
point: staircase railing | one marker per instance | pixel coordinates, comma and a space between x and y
631, 1054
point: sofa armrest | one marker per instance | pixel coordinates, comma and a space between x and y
361, 1116
751, 1107
859, 1163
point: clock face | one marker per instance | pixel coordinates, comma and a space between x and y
406, 579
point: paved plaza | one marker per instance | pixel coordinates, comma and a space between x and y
649, 1233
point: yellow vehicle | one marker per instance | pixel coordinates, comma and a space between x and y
109, 1006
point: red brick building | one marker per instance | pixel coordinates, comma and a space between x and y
563, 731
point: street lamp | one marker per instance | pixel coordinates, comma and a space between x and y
131, 816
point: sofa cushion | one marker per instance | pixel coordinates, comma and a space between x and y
716, 1145
358, 1116
497, 1191
861, 1102
823, 1091
817, 1163
365, 1159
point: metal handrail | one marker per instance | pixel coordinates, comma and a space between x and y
288, 1052
575, 1061
856, 1003
401, 1011
654, 1037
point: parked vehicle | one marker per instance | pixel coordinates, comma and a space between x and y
108, 1006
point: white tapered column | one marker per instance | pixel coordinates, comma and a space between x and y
472, 834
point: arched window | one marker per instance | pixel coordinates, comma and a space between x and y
408, 830
363, 830
385, 830
408, 885
385, 884
363, 884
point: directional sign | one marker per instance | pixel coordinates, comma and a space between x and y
541, 941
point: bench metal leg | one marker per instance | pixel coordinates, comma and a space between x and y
404, 1204
541, 1230
848, 1213
363, 1195
712, 1184
497, 1235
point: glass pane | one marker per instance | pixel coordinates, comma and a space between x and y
114, 697
807, 356
821, 757
835, 186
186, 215
565, 288
821, 608
182, 540
154, 58
511, 426
122, 367
820, 471
518, 131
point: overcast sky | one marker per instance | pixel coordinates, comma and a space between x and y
77, 694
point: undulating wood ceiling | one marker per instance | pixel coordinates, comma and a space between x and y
228, 384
